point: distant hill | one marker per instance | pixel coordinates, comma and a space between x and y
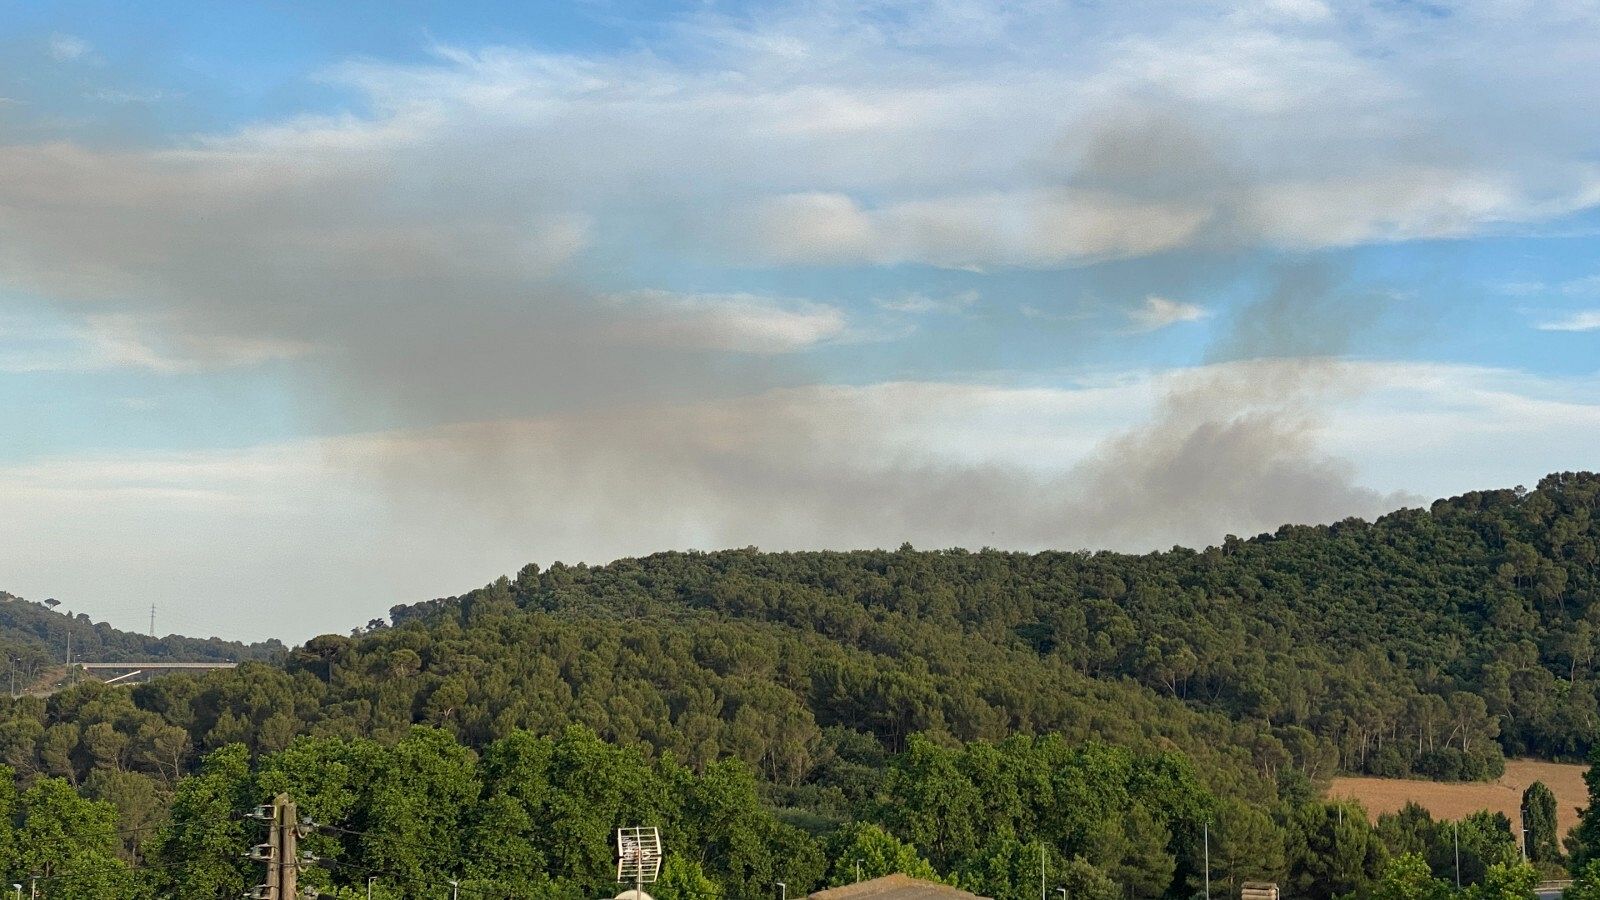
34, 635
1432, 643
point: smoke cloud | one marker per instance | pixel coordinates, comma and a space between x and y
453, 274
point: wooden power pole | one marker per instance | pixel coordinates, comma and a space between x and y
274, 852
288, 840
281, 851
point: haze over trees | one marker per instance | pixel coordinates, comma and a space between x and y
947, 711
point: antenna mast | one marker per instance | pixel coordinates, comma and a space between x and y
638, 860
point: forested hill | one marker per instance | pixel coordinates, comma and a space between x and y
1424, 643
34, 634
886, 703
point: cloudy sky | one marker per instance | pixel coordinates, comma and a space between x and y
308, 309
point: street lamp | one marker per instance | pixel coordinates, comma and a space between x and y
455, 889
783, 890
371, 879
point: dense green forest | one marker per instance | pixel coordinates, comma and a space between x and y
526, 816
1429, 643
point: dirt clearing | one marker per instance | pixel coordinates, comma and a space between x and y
1452, 801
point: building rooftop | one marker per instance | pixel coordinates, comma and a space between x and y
895, 887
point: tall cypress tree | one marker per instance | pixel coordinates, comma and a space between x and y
1539, 824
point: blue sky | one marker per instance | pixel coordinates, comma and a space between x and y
309, 309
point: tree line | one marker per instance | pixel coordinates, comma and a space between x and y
530, 817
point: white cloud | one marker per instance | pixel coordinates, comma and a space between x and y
1031, 228
1588, 286
108, 341
1159, 312
122, 97
67, 48
739, 323
1582, 320
835, 136
923, 304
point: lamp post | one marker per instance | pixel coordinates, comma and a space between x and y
371, 879
1456, 832
783, 890
455, 889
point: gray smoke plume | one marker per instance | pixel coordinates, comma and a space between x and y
1230, 447
414, 282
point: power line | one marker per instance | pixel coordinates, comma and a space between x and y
410, 879
431, 848
236, 817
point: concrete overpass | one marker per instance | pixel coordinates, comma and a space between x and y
134, 670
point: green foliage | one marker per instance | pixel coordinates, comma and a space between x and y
682, 879
1084, 881
1331, 850
1585, 882
1246, 845
869, 851
68, 843
1505, 881
1539, 821
1482, 839
1407, 877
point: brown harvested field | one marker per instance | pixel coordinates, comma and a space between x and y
1452, 801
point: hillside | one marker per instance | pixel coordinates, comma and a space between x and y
1426, 643
34, 634
968, 704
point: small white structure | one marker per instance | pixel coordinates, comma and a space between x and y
638, 860
1258, 890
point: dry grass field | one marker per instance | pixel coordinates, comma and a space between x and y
1452, 801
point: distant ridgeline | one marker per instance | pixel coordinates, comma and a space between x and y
35, 636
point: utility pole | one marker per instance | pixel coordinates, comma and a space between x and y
288, 825
1456, 832
274, 854
152, 620
279, 853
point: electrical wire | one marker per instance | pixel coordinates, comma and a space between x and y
410, 879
